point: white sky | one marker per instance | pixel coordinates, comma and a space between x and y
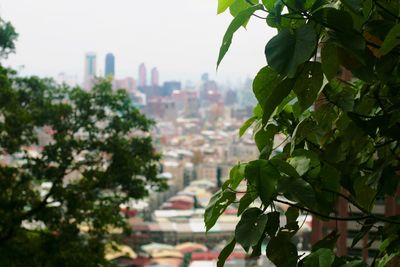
180, 37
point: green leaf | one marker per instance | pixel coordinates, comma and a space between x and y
330, 60
285, 168
223, 5
269, 4
305, 160
264, 83
306, 129
226, 251
240, 5
281, 251
246, 200
367, 225
287, 50
391, 41
328, 242
265, 140
236, 175
386, 259
217, 205
265, 177
251, 227
365, 195
246, 125
257, 111
308, 84
300, 191
367, 7
292, 214
278, 94
321, 258
338, 20
236, 23
273, 223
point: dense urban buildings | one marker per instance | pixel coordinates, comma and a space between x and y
196, 132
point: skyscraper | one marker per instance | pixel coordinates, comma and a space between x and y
154, 77
90, 70
110, 66
142, 80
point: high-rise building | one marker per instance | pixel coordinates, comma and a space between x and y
142, 80
155, 76
90, 70
110, 66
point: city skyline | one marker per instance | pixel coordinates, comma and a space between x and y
183, 43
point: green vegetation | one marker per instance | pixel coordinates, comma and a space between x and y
342, 135
68, 160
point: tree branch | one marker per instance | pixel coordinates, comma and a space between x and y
323, 215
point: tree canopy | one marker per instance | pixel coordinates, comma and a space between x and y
68, 159
342, 132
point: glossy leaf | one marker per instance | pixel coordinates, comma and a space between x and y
236, 175
391, 41
278, 94
217, 205
320, 258
225, 252
264, 83
282, 252
328, 242
264, 139
246, 200
265, 177
287, 50
236, 23
308, 84
304, 161
330, 60
240, 5
250, 228
292, 214
223, 5
367, 225
246, 125
273, 223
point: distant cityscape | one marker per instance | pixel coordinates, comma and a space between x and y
196, 133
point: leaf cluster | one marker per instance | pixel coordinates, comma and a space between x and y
332, 88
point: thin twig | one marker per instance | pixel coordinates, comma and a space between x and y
323, 215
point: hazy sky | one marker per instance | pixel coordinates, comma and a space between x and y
180, 37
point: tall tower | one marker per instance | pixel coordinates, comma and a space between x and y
142, 81
155, 77
90, 70
110, 66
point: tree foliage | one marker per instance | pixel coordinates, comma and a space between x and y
68, 159
342, 134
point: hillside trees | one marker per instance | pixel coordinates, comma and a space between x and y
342, 134
68, 159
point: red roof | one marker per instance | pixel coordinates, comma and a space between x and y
213, 255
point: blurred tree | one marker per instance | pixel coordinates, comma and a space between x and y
68, 160
7, 38
347, 148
